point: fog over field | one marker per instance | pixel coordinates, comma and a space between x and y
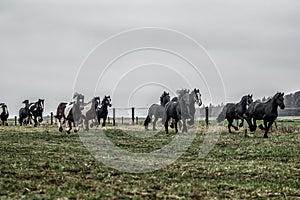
254, 44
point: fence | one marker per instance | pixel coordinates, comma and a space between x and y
127, 116
136, 115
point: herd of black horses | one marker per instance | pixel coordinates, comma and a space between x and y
78, 114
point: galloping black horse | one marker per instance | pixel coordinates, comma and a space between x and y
181, 108
70, 112
36, 111
24, 114
102, 112
232, 111
157, 110
3, 114
194, 97
266, 111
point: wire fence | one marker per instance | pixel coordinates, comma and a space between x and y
137, 115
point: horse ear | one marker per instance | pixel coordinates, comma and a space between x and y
282, 94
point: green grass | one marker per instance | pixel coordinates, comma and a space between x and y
45, 164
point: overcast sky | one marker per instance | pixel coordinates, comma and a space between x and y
254, 43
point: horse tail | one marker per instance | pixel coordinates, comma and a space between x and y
147, 121
149, 116
222, 116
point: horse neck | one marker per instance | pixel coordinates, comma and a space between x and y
274, 104
104, 106
243, 104
186, 107
164, 103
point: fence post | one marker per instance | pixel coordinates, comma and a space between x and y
114, 116
206, 116
132, 115
122, 120
137, 120
51, 118
15, 120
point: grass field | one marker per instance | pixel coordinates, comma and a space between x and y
45, 164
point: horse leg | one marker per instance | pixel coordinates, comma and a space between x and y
267, 127
167, 124
154, 123
176, 122
35, 121
86, 124
242, 123
184, 128
68, 127
191, 121
229, 124
76, 128
103, 123
59, 125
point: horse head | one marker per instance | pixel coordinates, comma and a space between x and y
26, 102
40, 104
107, 101
165, 98
249, 99
97, 102
78, 98
197, 96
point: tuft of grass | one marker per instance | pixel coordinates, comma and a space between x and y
45, 164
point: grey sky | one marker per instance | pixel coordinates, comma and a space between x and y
255, 44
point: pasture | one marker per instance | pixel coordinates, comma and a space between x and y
45, 164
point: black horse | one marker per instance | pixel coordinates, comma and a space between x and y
4, 114
194, 97
89, 112
102, 112
24, 117
70, 112
36, 110
232, 111
158, 111
180, 108
266, 111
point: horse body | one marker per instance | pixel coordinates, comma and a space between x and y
24, 114
266, 111
35, 110
102, 111
70, 113
4, 114
158, 111
89, 112
182, 108
232, 111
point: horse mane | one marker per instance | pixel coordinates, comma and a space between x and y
182, 92
162, 97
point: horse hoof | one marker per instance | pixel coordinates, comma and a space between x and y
75, 131
236, 128
265, 136
60, 129
154, 129
261, 127
241, 125
68, 132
